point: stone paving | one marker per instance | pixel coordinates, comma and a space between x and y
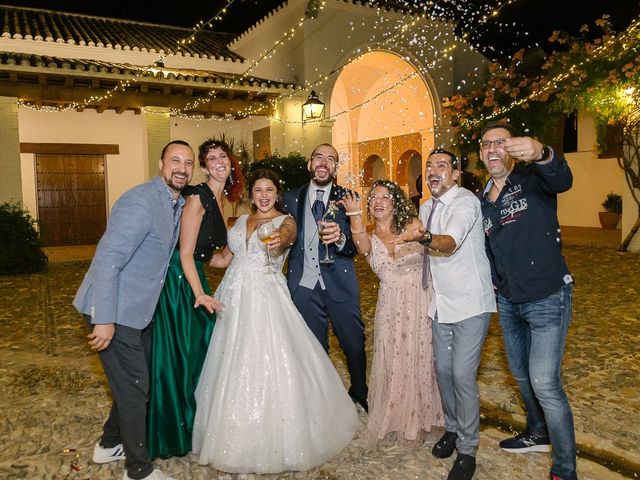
54, 397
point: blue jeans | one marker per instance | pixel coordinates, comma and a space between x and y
534, 338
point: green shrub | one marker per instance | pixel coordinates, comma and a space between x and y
291, 169
613, 203
20, 248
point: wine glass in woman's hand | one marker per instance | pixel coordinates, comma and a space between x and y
264, 234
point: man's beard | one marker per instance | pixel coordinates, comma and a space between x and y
323, 182
177, 185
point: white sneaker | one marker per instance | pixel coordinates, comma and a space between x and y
155, 475
106, 455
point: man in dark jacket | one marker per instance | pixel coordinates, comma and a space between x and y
534, 286
322, 290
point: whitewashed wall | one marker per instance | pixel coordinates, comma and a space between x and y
593, 178
126, 130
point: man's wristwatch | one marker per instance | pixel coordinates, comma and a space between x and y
544, 153
426, 238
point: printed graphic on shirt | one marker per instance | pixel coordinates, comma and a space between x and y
511, 212
512, 205
487, 224
511, 193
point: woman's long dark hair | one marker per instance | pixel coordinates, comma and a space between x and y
403, 208
269, 175
235, 182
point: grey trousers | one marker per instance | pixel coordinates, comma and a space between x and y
125, 365
457, 348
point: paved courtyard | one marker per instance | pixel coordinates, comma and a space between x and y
54, 398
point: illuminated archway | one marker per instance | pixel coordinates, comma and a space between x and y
373, 169
407, 169
381, 99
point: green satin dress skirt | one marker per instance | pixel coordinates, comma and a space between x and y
181, 337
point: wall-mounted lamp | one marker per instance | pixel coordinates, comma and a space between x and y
313, 108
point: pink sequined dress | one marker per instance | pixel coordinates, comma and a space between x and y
404, 402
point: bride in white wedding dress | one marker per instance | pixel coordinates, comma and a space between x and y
269, 399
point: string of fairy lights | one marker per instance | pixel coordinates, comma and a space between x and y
267, 54
139, 72
444, 54
554, 83
396, 37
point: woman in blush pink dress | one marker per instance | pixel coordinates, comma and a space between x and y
404, 403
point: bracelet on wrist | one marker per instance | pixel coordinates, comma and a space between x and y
355, 232
351, 214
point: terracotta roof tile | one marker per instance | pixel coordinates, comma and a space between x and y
47, 25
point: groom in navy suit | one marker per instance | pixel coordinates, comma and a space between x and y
327, 290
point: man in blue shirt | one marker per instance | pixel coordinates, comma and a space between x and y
534, 286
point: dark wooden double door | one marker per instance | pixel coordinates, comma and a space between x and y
72, 203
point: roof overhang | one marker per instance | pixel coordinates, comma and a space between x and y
90, 84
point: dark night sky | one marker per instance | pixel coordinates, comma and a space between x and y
522, 23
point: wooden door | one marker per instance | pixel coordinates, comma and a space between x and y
72, 205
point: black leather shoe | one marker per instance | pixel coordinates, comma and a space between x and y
445, 447
463, 468
362, 402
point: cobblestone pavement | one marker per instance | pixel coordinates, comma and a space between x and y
53, 394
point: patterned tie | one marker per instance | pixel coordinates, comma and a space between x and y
425, 262
318, 207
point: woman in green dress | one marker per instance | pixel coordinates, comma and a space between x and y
185, 314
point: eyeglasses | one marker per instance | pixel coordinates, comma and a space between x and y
383, 198
498, 142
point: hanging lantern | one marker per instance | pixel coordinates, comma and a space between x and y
313, 108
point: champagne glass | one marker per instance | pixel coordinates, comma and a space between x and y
330, 216
264, 234
327, 258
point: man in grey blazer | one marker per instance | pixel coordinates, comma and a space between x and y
118, 297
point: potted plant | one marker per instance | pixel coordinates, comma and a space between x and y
613, 209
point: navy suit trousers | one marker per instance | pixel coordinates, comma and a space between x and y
316, 307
